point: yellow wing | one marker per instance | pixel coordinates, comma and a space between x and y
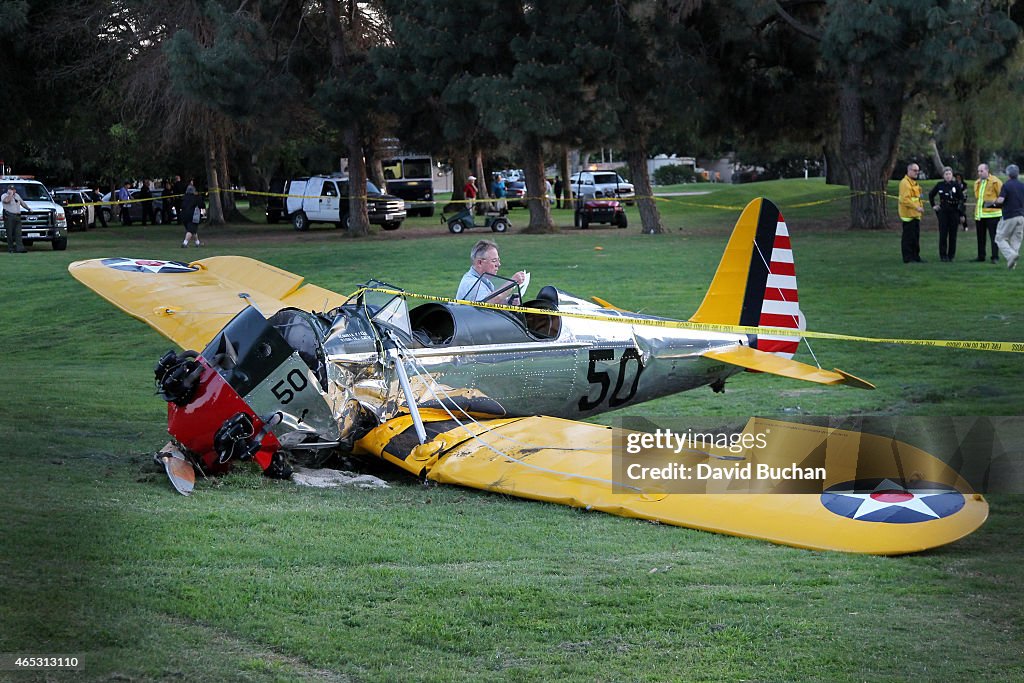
190, 303
574, 463
761, 361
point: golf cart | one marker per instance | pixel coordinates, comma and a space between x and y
463, 220
599, 211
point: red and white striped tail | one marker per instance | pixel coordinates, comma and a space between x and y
781, 306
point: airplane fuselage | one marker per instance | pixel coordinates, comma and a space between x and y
535, 364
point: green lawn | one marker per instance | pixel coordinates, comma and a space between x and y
258, 580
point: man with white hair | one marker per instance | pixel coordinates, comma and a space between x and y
1011, 226
986, 214
476, 284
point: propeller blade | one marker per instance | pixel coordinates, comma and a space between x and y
179, 470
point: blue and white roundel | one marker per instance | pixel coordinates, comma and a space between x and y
889, 501
142, 265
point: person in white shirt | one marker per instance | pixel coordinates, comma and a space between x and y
476, 284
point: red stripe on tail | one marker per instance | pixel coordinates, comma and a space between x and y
782, 268
779, 320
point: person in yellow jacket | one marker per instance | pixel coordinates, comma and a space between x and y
911, 208
986, 218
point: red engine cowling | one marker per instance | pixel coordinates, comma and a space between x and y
195, 424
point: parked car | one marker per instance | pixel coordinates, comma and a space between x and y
135, 208
325, 199
515, 193
78, 206
45, 220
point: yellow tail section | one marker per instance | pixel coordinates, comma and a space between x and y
723, 304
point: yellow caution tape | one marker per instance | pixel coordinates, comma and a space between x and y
1006, 347
488, 200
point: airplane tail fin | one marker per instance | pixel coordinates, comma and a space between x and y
755, 284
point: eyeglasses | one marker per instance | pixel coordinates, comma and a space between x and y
915, 170
492, 260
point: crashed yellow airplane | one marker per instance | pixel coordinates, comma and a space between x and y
490, 397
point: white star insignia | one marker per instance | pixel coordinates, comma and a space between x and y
874, 500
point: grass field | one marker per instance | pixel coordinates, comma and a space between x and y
258, 580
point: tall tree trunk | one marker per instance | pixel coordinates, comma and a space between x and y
483, 192
227, 197
972, 156
867, 204
933, 147
565, 172
215, 209
358, 219
870, 111
460, 170
835, 171
537, 200
375, 171
650, 217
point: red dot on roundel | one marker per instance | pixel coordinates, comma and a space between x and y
892, 496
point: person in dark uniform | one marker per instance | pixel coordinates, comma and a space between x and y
101, 216
958, 178
178, 190
947, 210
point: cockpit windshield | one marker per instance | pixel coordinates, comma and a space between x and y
390, 309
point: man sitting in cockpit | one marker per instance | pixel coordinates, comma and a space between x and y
476, 284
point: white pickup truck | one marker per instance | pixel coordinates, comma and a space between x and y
45, 221
325, 199
602, 185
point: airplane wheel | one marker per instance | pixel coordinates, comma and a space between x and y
499, 225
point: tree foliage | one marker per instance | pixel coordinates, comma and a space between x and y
253, 88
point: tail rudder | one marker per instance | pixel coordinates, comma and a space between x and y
755, 284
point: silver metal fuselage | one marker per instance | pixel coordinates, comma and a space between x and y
588, 366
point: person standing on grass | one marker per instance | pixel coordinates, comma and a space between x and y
986, 213
13, 205
123, 195
469, 190
1011, 227
499, 192
191, 206
146, 195
958, 178
947, 210
911, 208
